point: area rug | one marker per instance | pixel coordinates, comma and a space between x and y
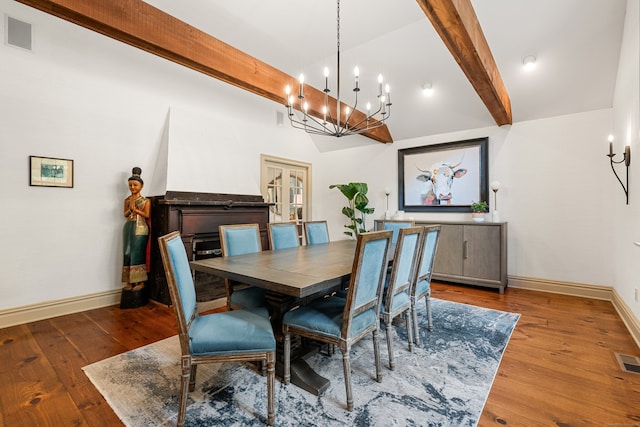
444, 382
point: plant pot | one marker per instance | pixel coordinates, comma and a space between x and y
478, 216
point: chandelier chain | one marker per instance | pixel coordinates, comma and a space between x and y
338, 23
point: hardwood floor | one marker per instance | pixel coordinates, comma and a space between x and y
559, 368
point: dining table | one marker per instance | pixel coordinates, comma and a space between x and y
291, 277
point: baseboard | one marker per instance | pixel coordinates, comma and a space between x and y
565, 288
606, 293
48, 309
630, 321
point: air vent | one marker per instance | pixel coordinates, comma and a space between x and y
18, 33
629, 363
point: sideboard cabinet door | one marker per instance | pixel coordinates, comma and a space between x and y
450, 252
482, 252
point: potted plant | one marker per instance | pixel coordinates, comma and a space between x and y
478, 210
356, 194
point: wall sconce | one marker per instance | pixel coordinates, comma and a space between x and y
626, 158
495, 186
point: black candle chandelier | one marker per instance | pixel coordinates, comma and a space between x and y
345, 123
626, 158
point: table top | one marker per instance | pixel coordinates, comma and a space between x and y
298, 272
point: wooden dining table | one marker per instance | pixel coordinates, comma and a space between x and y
291, 277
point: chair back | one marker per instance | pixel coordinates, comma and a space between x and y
395, 226
427, 255
407, 251
316, 232
283, 235
364, 294
180, 283
240, 239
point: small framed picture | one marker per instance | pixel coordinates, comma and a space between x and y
50, 172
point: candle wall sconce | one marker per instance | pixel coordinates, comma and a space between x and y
626, 159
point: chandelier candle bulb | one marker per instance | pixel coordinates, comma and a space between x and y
326, 79
301, 95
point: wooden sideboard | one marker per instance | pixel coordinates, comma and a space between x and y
472, 253
197, 217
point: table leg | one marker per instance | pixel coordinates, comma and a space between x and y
301, 373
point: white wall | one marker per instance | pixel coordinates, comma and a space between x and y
626, 128
556, 192
110, 107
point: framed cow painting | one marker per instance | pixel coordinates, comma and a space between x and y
444, 177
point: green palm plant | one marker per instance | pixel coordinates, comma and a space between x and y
356, 193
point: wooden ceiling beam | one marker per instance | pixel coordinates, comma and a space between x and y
457, 24
145, 27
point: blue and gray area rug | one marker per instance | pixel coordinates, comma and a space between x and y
444, 382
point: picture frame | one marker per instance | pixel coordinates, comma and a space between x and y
50, 172
462, 167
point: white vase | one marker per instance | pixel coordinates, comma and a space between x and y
478, 216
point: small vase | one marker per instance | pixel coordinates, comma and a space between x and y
478, 216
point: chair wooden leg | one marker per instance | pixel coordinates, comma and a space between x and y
346, 365
414, 315
376, 352
287, 357
192, 377
389, 329
427, 300
184, 389
409, 323
271, 383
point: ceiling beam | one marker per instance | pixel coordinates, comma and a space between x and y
143, 26
457, 24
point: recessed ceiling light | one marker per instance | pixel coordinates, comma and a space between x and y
529, 62
427, 89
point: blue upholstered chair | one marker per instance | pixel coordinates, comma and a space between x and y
230, 336
342, 322
316, 232
396, 300
421, 286
283, 235
395, 226
240, 239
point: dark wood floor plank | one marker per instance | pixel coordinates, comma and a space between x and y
32, 393
70, 343
134, 328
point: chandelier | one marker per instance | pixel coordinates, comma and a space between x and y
345, 122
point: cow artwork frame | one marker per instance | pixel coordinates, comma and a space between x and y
464, 166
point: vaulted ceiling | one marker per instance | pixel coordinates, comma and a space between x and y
576, 43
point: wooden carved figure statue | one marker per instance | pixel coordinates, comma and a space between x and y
135, 236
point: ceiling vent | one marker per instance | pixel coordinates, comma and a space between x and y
18, 33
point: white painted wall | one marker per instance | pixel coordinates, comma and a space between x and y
553, 171
626, 128
110, 107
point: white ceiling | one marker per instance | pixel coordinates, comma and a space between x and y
576, 43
